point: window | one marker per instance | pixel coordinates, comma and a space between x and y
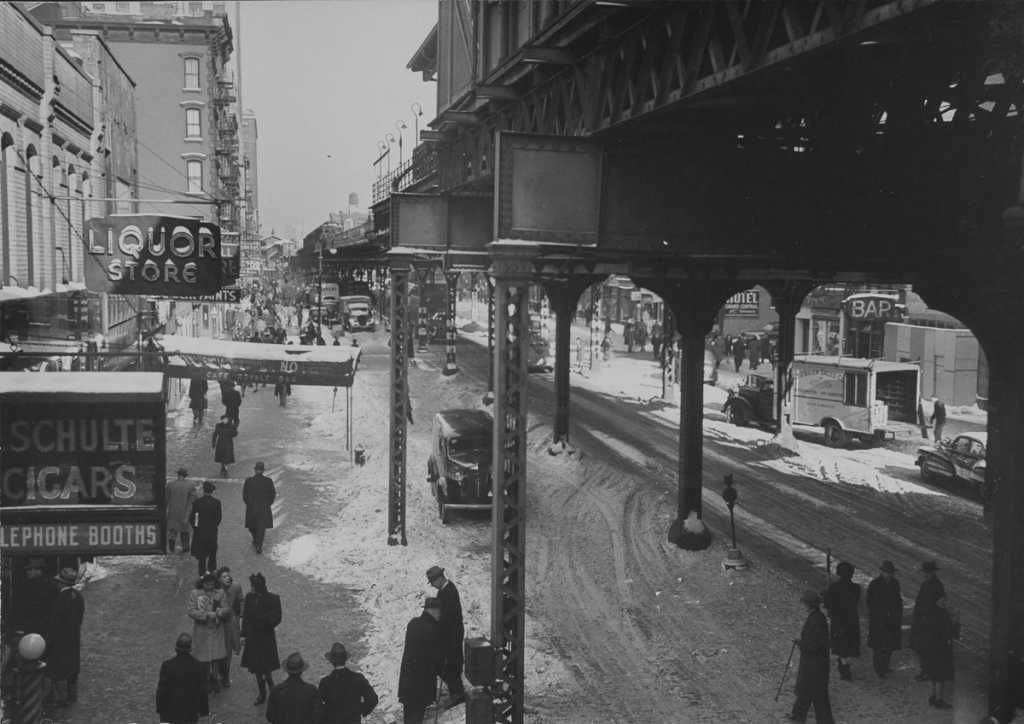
193, 124
856, 389
126, 7
192, 73
195, 176
195, 8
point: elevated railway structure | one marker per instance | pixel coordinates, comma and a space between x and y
700, 148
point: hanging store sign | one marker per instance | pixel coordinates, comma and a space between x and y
82, 464
744, 304
230, 295
155, 255
870, 307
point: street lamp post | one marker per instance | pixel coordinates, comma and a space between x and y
734, 560
400, 126
390, 138
319, 292
417, 111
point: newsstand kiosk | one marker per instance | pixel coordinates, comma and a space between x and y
82, 467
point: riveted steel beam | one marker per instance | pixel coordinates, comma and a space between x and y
401, 411
451, 279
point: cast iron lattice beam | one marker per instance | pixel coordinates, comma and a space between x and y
451, 279
400, 408
508, 607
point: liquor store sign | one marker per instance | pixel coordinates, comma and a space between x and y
155, 255
78, 476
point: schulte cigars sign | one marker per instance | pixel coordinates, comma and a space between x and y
155, 255
81, 477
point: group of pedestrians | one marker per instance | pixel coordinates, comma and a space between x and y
933, 630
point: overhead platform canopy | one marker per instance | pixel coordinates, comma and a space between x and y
250, 362
90, 386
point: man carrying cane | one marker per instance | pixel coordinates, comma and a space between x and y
812, 672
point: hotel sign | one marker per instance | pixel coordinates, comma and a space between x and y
155, 255
744, 304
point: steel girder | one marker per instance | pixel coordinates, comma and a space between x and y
422, 275
508, 608
400, 406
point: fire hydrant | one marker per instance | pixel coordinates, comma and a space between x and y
360, 455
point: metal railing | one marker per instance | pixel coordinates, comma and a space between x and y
422, 166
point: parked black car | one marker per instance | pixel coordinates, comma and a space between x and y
459, 467
752, 403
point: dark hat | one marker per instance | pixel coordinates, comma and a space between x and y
184, 643
434, 572
844, 570
432, 603
67, 575
208, 577
258, 466
295, 664
810, 598
338, 655
929, 566
208, 486
182, 472
888, 567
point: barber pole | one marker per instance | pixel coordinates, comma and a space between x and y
451, 281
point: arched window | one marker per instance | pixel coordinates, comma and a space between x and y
192, 74
193, 123
75, 229
195, 176
6, 162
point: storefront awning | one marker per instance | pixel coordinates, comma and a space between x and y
251, 362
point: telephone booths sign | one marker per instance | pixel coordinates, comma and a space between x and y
156, 255
82, 465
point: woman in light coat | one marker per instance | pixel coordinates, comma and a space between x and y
208, 611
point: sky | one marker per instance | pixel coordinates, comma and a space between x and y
327, 80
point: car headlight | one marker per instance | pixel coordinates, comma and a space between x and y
457, 475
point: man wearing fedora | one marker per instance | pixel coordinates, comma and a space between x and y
931, 590
346, 695
181, 696
812, 672
205, 519
842, 601
64, 640
294, 701
181, 493
885, 618
421, 663
452, 632
258, 495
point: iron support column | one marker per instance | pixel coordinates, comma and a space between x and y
564, 294
787, 297
422, 274
490, 334
400, 408
596, 328
451, 279
512, 272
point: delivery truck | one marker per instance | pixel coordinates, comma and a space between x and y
852, 397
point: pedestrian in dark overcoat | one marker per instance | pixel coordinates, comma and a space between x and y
812, 672
656, 340
258, 494
205, 519
885, 617
930, 591
64, 639
197, 389
842, 601
938, 418
232, 401
754, 352
937, 631
181, 493
261, 614
181, 696
294, 701
738, 350
452, 633
347, 695
223, 443
421, 663
627, 334
640, 334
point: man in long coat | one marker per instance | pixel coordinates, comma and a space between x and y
421, 663
258, 494
181, 493
452, 632
232, 401
181, 696
842, 600
261, 614
885, 617
931, 591
64, 639
294, 701
812, 673
205, 519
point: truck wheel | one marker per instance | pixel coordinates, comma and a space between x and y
835, 436
737, 415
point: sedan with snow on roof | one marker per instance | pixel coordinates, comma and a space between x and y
958, 462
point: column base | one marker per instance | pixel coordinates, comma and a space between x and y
562, 447
488, 397
690, 534
449, 369
734, 561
